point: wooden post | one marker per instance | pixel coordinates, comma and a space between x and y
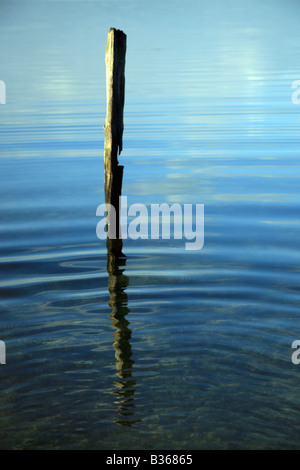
113, 129
115, 93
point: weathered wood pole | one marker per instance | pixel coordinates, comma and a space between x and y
115, 94
113, 129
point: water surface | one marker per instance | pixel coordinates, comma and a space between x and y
167, 348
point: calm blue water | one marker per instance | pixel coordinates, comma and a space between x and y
177, 349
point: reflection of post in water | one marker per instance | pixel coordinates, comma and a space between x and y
117, 283
116, 261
